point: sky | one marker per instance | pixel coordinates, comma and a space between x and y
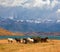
48, 5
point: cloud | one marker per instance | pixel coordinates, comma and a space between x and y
6, 2
11, 17
30, 3
37, 3
11, 2
48, 4
41, 3
18, 2
54, 3
58, 14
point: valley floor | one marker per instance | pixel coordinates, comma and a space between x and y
50, 46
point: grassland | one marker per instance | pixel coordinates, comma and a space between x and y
50, 46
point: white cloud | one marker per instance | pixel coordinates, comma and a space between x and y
11, 2
18, 2
30, 3
11, 17
37, 3
58, 14
6, 2
54, 3
41, 3
58, 21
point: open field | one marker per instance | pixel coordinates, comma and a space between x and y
50, 46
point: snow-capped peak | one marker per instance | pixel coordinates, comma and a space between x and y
11, 17
58, 21
58, 11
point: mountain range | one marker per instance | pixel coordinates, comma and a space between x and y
30, 25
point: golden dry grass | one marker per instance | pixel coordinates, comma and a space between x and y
50, 46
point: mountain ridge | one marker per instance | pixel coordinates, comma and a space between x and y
30, 25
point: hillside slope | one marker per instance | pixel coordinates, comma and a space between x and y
6, 32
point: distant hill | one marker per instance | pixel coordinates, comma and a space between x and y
6, 32
44, 33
